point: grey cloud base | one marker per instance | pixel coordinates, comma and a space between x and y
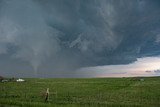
55, 37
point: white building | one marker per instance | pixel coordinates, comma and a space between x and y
20, 80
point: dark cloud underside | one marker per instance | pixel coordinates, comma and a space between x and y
59, 36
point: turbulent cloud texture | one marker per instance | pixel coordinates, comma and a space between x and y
59, 36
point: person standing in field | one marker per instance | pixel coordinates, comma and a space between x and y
47, 95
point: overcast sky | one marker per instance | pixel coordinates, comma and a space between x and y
79, 38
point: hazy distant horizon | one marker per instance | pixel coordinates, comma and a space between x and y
143, 67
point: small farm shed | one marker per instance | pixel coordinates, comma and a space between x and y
20, 80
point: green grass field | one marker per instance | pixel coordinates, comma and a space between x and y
95, 92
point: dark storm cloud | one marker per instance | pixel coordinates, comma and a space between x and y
62, 35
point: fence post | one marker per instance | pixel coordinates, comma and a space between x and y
47, 95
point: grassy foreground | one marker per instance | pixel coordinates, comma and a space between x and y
95, 92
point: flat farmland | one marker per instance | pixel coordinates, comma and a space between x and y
82, 92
